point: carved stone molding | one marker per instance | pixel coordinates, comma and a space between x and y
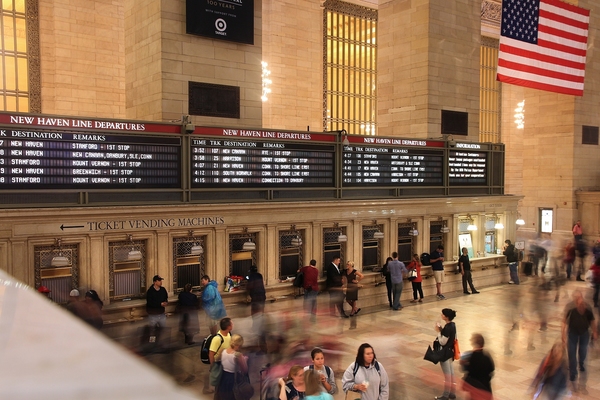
32, 23
491, 12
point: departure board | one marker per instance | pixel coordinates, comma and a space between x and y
467, 167
236, 160
68, 160
375, 161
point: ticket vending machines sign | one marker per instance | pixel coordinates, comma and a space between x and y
230, 20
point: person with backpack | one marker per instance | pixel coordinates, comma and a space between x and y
310, 282
217, 343
326, 375
366, 376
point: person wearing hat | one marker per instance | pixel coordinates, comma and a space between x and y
156, 301
74, 305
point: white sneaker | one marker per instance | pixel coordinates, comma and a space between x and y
511, 282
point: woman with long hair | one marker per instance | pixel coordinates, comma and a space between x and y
417, 282
550, 381
314, 388
293, 388
366, 376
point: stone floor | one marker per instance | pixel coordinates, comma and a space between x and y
400, 339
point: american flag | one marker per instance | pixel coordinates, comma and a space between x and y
543, 45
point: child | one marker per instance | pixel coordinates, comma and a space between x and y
325, 373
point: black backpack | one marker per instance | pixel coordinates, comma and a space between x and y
426, 259
299, 280
205, 348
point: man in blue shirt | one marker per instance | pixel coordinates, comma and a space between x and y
397, 271
437, 265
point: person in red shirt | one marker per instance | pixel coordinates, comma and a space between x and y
311, 288
417, 282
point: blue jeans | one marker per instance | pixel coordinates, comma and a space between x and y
573, 341
397, 290
310, 301
448, 370
513, 267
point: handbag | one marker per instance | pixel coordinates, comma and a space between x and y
242, 389
215, 373
412, 274
456, 350
350, 395
434, 354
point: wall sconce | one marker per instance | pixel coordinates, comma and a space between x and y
248, 245
133, 255
297, 240
472, 226
59, 260
413, 231
197, 248
498, 225
520, 221
341, 237
445, 228
377, 234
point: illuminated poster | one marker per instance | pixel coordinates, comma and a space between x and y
546, 225
464, 240
230, 20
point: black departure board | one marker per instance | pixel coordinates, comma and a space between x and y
52, 159
467, 167
218, 162
369, 161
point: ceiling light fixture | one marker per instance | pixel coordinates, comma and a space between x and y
133, 255
60, 260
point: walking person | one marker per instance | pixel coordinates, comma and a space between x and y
334, 285
437, 266
417, 283
220, 343
579, 318
464, 264
397, 272
550, 381
366, 376
446, 337
352, 277
385, 271
188, 307
311, 288
479, 367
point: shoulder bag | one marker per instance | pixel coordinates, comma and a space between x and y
242, 389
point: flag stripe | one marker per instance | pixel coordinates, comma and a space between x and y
549, 44
516, 61
543, 48
542, 54
558, 20
540, 71
535, 84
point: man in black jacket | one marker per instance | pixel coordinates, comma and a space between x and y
512, 258
156, 301
334, 286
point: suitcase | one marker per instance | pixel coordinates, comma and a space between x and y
528, 268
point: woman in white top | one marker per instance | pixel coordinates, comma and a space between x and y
231, 360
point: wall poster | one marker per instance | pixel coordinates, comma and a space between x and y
230, 20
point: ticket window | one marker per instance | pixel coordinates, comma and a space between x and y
291, 249
332, 247
189, 263
57, 269
371, 246
127, 269
405, 243
490, 236
242, 255
436, 237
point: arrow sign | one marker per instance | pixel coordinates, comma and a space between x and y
63, 227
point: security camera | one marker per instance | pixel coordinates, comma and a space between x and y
189, 128
452, 143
